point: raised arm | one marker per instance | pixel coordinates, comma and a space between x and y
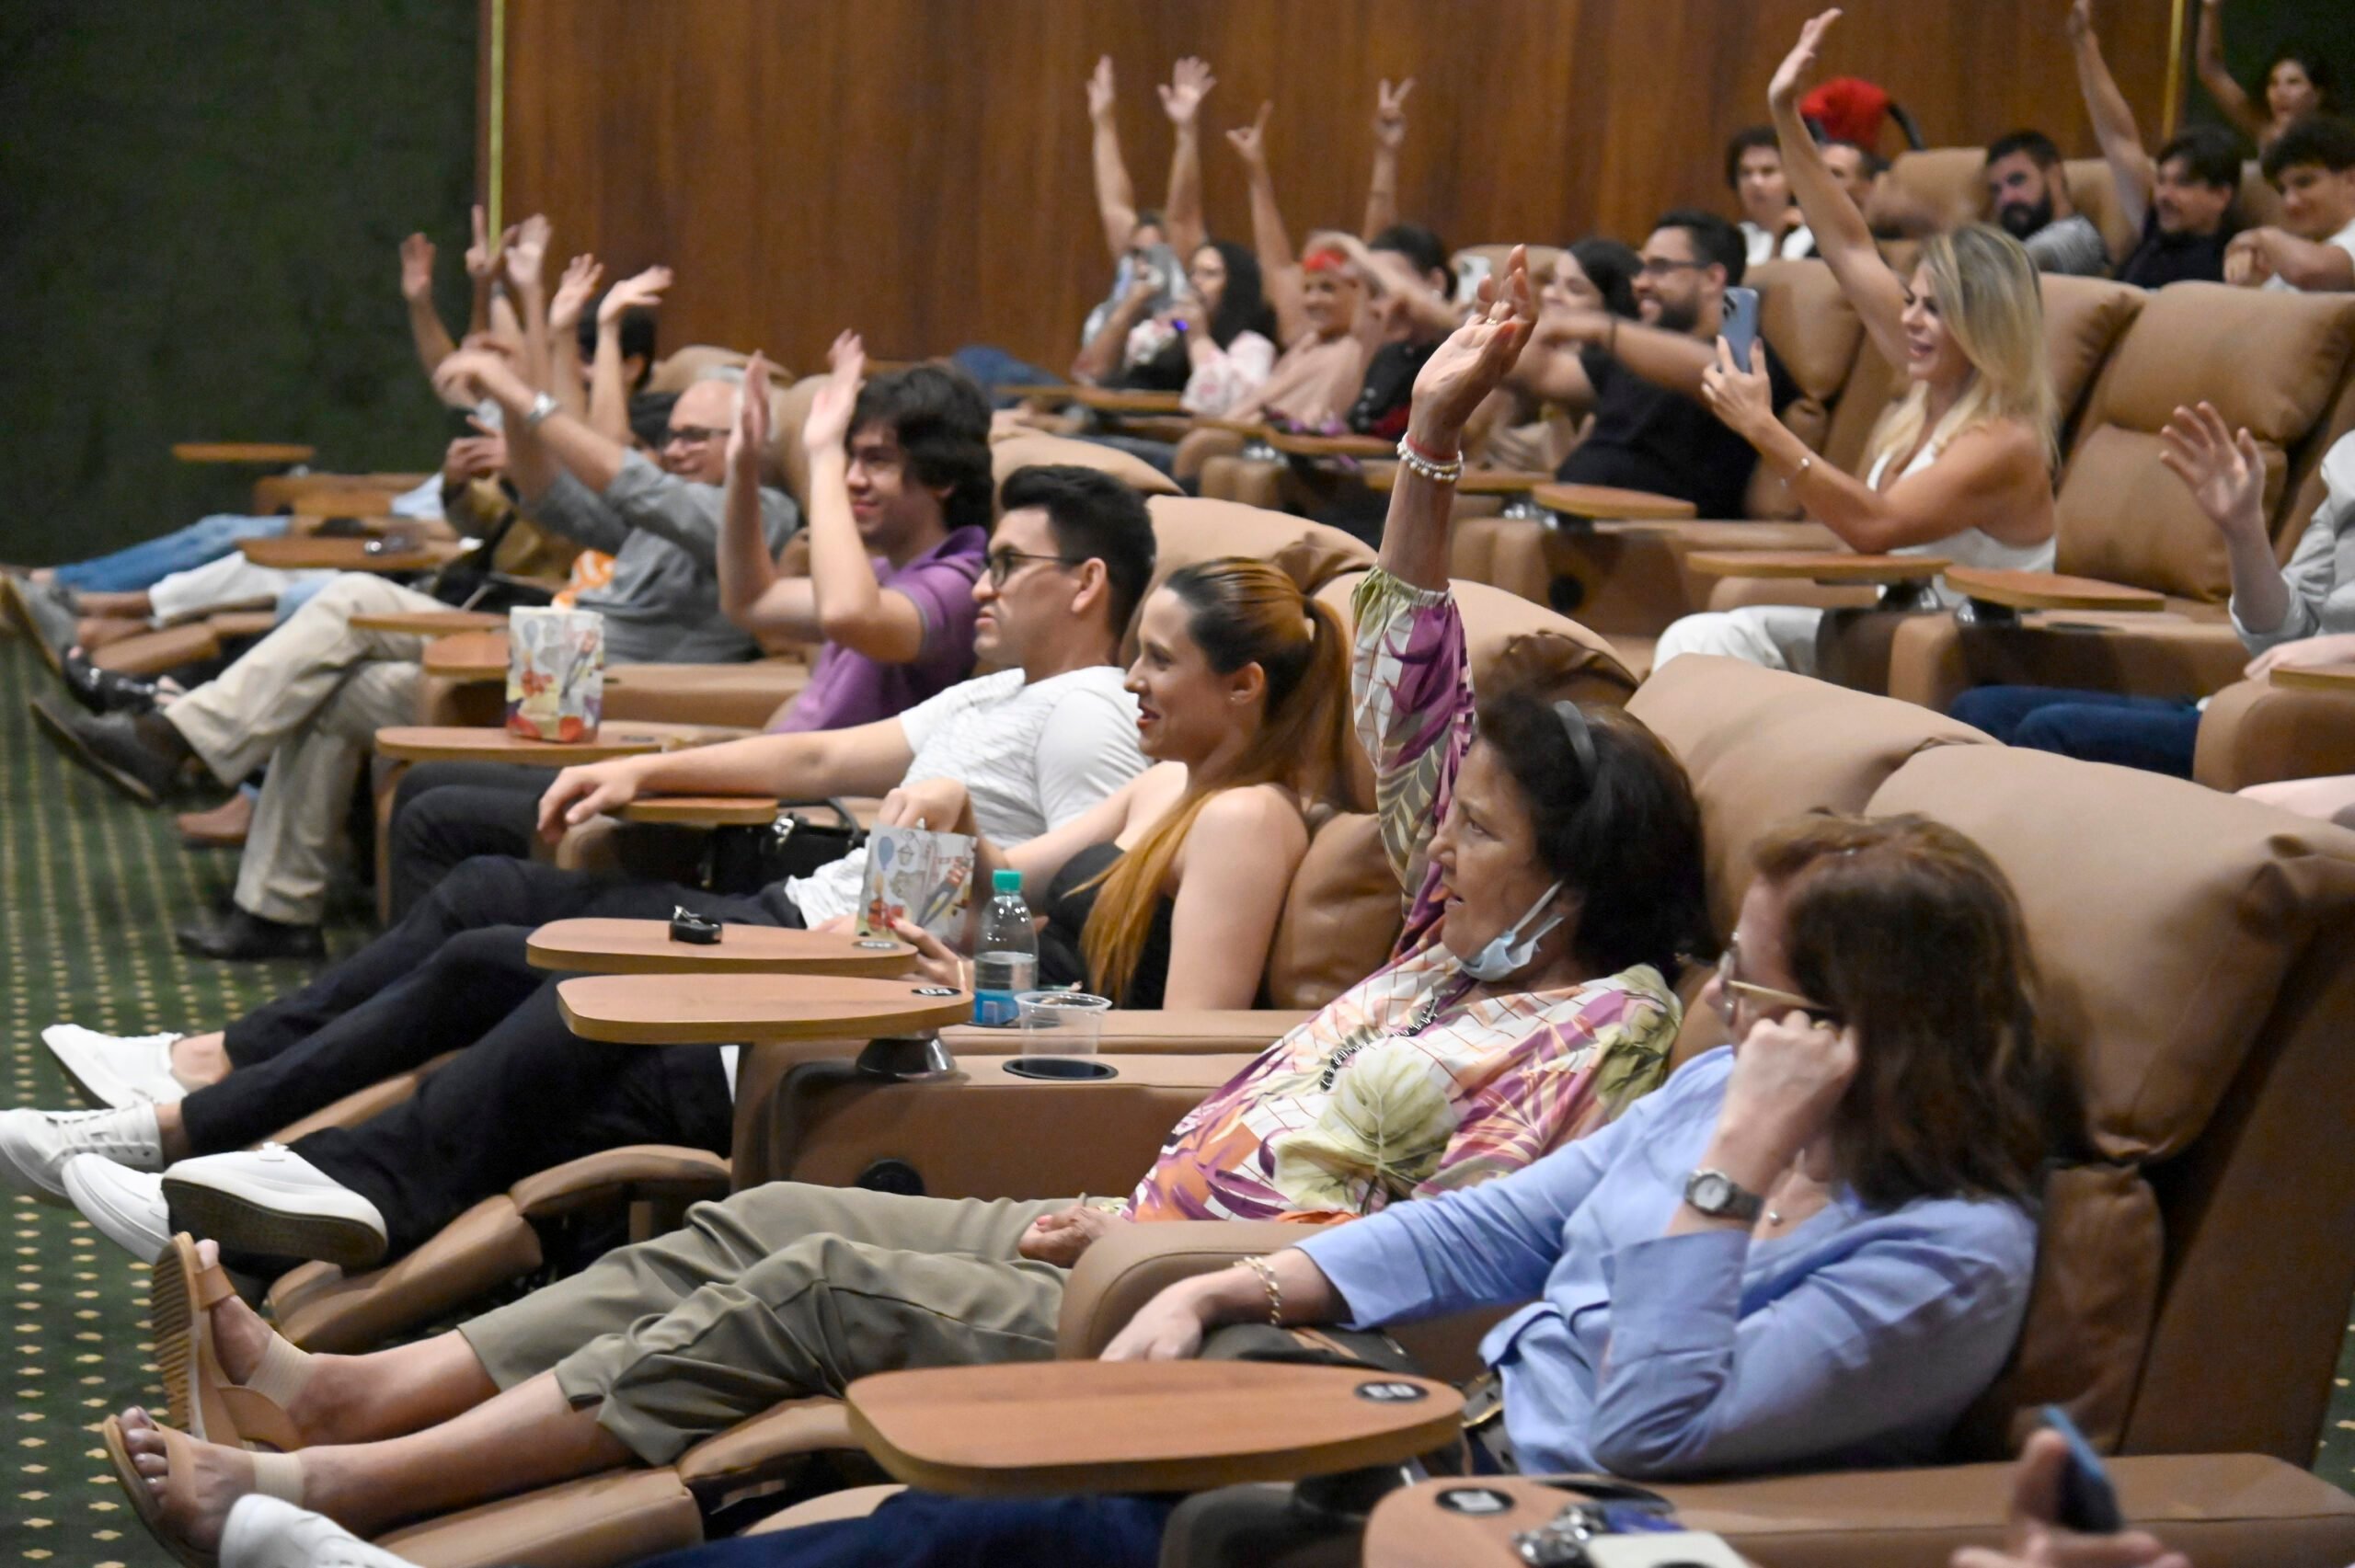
425, 328
2131, 168
1389, 136
573, 292
854, 610
751, 594
608, 397
1989, 478
1116, 198
1461, 371
1842, 237
482, 270
2232, 102
526, 259
1279, 267
1181, 100
1100, 358
476, 372
2225, 474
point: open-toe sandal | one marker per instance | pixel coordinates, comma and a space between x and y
275, 1475
182, 1294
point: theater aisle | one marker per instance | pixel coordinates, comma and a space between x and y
90, 887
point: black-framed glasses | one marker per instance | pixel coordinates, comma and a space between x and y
1661, 266
1004, 564
694, 435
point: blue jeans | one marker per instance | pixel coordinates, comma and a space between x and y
2157, 735
141, 566
924, 1530
994, 368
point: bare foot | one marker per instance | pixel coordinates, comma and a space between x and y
201, 1059
218, 1477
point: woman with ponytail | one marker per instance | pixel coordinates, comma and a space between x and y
1167, 893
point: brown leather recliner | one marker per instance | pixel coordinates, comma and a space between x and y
1951, 181
2282, 364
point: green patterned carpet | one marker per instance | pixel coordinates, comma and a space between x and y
90, 887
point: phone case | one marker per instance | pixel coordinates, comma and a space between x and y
1675, 1548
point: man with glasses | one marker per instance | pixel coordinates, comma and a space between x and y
309, 698
1641, 379
1048, 736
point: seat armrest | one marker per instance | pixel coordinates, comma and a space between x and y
656, 1010
702, 810
429, 622
769, 1447
2265, 731
744, 696
613, 1177
1144, 1032
1825, 567
1597, 503
1132, 1263
2048, 590
1089, 1427
646, 947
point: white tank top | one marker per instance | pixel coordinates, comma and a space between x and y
1969, 547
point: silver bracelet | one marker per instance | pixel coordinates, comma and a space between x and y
541, 407
1437, 473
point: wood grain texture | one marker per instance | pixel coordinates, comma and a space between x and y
2048, 590
920, 170
652, 1009
1833, 567
645, 947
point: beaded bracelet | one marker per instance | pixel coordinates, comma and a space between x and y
1436, 472
1275, 1292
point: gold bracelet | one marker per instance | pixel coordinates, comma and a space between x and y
1275, 1292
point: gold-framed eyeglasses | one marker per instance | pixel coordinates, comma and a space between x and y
1732, 988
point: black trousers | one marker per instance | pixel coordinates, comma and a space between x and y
524, 1094
444, 814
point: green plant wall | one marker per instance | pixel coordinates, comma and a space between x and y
200, 202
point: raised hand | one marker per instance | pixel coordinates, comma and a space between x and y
1390, 115
573, 292
1189, 81
2224, 472
830, 411
1251, 141
527, 249
2080, 20
750, 438
643, 292
482, 257
1099, 88
1787, 1078
1475, 359
1740, 395
1798, 65
417, 269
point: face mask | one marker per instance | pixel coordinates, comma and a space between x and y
1509, 950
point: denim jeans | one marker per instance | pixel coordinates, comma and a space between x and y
141, 566
2157, 735
994, 368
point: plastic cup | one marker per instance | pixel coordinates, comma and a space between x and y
1062, 1023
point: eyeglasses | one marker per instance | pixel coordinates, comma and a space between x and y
1661, 266
693, 435
1004, 564
1732, 988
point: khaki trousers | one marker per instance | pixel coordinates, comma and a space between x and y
308, 699
782, 1291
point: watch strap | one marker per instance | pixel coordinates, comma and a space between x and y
1738, 1202
541, 407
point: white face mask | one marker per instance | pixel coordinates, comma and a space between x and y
1509, 951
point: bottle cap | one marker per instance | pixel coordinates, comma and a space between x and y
1005, 881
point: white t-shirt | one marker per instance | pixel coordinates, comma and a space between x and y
1032, 755
1796, 244
2344, 239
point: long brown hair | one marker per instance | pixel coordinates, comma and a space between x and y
1239, 611
1909, 933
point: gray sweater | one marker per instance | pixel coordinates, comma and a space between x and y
662, 605
2321, 573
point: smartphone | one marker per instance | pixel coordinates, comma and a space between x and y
2088, 1503
1471, 271
1740, 324
1159, 262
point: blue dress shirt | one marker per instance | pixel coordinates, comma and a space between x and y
1857, 1339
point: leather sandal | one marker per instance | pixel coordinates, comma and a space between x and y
275, 1475
182, 1294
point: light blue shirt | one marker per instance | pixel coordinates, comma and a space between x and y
1858, 1339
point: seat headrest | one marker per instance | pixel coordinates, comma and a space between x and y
1950, 179
2272, 361
2083, 319
2164, 919
1807, 317
1189, 530
2093, 190
1031, 452
685, 367
1762, 747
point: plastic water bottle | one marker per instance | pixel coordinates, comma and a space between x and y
1006, 963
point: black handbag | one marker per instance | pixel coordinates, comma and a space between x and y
745, 860
1369, 1349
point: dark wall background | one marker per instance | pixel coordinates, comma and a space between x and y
2255, 28
200, 206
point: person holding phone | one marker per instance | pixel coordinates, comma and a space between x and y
1962, 466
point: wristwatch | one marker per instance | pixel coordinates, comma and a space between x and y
541, 407
1719, 1197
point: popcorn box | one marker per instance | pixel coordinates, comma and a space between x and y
555, 673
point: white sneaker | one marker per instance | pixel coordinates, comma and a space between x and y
124, 1206
263, 1532
34, 1144
271, 1200
116, 1070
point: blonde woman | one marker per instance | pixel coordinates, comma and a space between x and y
1963, 466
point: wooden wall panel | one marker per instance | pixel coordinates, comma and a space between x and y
919, 169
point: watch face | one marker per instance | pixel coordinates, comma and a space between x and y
1709, 1192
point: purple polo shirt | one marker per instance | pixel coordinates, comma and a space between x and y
848, 688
